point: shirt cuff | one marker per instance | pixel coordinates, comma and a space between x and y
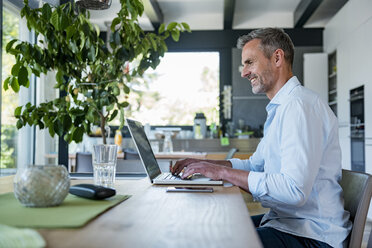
256, 184
237, 164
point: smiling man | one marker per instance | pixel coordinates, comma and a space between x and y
296, 168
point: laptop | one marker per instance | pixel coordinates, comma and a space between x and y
151, 165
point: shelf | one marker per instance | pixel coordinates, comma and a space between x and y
332, 103
332, 91
332, 75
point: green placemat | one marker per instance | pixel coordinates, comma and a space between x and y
72, 213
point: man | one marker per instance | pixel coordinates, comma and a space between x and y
297, 165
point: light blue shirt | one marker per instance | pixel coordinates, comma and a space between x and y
296, 168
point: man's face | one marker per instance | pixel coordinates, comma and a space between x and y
257, 68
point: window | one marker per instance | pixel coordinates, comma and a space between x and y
12, 139
9, 99
183, 84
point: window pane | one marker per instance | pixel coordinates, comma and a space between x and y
9, 98
183, 84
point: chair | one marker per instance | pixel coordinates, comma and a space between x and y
231, 153
369, 245
357, 187
130, 154
84, 162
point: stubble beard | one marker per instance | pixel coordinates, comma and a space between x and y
263, 83
258, 87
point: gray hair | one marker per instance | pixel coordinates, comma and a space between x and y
271, 39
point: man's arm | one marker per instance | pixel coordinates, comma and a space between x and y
218, 170
181, 164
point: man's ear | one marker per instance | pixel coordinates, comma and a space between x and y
278, 57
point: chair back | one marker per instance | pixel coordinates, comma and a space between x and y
84, 162
130, 154
231, 153
357, 187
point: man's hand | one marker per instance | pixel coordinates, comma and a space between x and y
178, 167
205, 168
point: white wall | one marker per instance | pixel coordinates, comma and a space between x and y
350, 34
316, 73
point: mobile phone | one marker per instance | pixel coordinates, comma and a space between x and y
190, 189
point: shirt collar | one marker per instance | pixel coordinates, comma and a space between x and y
287, 88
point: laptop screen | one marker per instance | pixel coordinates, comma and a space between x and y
144, 149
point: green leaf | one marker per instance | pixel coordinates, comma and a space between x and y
59, 77
58, 127
86, 29
70, 30
117, 39
51, 130
77, 135
90, 115
19, 124
126, 89
23, 76
15, 69
47, 11
14, 84
115, 22
66, 122
92, 54
18, 111
171, 26
113, 115
161, 28
97, 29
175, 35
64, 21
186, 26
55, 20
153, 43
67, 137
6, 83
10, 44
82, 44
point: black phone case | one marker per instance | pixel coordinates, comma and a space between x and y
92, 191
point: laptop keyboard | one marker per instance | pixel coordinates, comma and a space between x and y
169, 176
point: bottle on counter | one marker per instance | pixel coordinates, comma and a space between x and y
200, 126
118, 140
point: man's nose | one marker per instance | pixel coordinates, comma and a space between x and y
245, 73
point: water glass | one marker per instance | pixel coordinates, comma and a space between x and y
104, 164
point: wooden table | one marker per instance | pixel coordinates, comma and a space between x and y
154, 218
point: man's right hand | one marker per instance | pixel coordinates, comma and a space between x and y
178, 167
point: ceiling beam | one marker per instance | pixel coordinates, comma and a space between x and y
304, 11
228, 14
153, 12
216, 40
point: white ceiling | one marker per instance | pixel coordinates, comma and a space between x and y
209, 14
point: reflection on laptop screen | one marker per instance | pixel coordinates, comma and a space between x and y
144, 148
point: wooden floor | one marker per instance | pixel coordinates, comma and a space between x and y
255, 208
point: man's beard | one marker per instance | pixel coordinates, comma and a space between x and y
258, 87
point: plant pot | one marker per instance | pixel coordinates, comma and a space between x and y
41, 185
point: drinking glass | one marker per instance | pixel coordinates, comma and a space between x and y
104, 164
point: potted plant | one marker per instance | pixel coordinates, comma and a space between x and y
93, 76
